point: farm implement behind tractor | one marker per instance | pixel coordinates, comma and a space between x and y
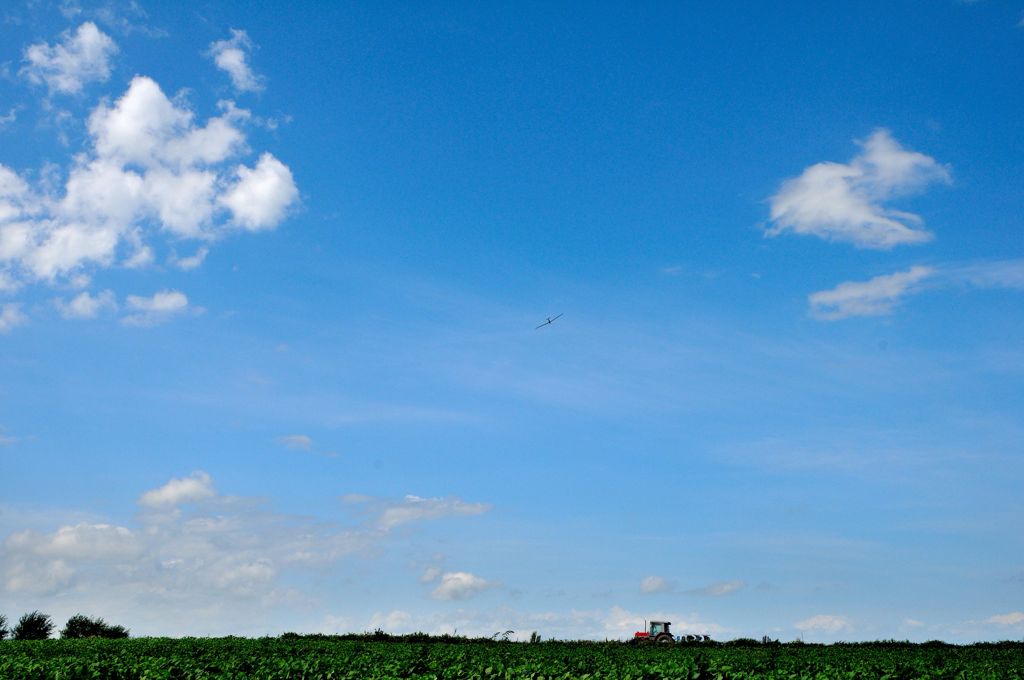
659, 632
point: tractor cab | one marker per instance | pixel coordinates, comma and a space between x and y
658, 631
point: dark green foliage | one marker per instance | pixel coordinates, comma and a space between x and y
329, 657
81, 626
3, 626
33, 626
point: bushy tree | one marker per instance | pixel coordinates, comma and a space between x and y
3, 626
33, 626
81, 626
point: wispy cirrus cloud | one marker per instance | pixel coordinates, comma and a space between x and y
1015, 618
988, 274
296, 441
881, 295
846, 201
654, 584
659, 584
9, 117
390, 514
873, 297
719, 588
6, 439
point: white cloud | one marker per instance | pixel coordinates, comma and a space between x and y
654, 584
720, 588
11, 316
196, 562
575, 624
149, 311
261, 195
824, 623
620, 623
393, 620
296, 441
430, 575
843, 202
86, 306
459, 585
232, 57
8, 284
79, 58
992, 274
1011, 619
6, 439
151, 171
882, 294
874, 297
192, 262
196, 487
414, 508
10, 117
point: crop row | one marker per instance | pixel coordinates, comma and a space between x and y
280, 659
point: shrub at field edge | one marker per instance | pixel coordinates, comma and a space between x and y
81, 626
33, 626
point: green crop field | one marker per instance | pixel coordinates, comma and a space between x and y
309, 658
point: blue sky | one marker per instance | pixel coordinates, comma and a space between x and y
270, 276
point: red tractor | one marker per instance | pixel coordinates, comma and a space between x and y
657, 632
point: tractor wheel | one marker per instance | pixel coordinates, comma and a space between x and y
664, 639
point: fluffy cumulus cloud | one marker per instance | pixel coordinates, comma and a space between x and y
193, 561
846, 201
873, 297
459, 585
196, 487
151, 174
823, 623
260, 196
10, 316
192, 261
149, 311
86, 306
232, 57
79, 58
